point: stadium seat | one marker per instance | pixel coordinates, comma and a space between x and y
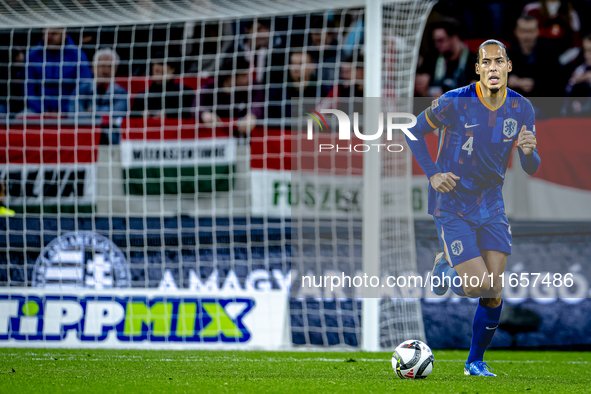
136, 84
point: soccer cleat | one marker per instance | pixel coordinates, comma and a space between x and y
478, 368
439, 262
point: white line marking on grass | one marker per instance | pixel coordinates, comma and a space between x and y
62, 357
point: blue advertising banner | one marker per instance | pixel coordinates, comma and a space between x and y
141, 319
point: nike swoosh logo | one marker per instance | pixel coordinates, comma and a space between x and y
469, 127
492, 328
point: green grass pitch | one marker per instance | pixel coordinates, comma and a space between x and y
125, 371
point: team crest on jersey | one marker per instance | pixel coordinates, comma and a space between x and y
456, 247
434, 103
509, 127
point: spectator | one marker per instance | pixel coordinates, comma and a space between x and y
422, 85
351, 82
231, 96
165, 97
529, 51
421, 80
349, 91
4, 72
264, 50
301, 83
354, 38
205, 44
55, 67
559, 23
452, 65
102, 96
579, 85
255, 47
87, 39
12, 97
323, 43
323, 38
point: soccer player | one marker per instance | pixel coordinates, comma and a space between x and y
478, 126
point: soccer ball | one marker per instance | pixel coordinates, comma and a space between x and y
413, 360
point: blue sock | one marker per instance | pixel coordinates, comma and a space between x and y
484, 319
448, 273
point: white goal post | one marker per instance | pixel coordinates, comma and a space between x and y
372, 174
211, 217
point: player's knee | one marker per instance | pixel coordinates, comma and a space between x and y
482, 289
496, 290
472, 292
477, 292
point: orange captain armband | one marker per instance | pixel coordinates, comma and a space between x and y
432, 119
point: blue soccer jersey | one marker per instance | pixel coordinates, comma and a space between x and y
475, 143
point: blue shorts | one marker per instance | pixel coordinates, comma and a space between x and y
463, 239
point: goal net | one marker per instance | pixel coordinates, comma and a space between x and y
152, 150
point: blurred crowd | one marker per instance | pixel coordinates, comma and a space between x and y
249, 70
210, 72
548, 42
